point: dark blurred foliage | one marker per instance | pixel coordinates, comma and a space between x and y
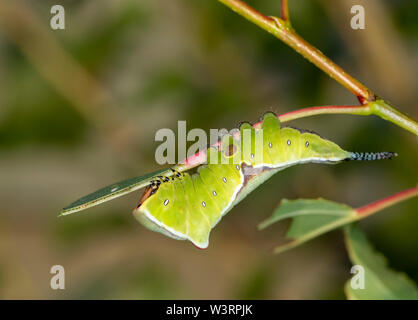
162, 61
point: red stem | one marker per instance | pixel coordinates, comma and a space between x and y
387, 202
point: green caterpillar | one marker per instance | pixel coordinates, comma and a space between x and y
187, 207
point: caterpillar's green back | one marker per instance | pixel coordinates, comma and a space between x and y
187, 206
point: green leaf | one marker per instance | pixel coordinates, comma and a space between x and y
113, 191
380, 282
311, 218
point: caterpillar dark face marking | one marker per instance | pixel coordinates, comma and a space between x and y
155, 184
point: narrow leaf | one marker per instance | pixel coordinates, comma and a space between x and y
380, 282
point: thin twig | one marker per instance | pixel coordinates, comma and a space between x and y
279, 28
283, 31
312, 111
285, 10
378, 108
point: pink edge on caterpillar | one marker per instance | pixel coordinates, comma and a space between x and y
199, 247
196, 159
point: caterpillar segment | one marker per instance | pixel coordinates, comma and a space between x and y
188, 206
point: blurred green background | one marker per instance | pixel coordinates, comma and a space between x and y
79, 109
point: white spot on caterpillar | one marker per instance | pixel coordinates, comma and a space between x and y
288, 142
237, 166
224, 179
114, 189
270, 145
252, 155
214, 193
203, 203
166, 202
307, 144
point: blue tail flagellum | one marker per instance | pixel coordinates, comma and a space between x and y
370, 156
